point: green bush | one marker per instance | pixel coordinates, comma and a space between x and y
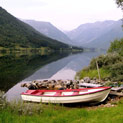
116, 46
105, 60
117, 71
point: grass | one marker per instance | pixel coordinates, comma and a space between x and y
42, 113
93, 73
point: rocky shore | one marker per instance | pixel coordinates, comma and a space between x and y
86, 82
52, 84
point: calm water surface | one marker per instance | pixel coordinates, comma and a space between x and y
36, 67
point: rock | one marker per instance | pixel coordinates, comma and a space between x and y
71, 87
51, 86
77, 82
81, 81
94, 78
92, 81
76, 86
108, 105
67, 84
31, 87
86, 79
23, 85
54, 81
115, 84
39, 85
57, 87
45, 80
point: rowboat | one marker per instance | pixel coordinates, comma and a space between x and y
97, 94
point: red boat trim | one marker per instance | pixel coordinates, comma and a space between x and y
58, 92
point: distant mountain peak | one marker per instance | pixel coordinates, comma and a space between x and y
49, 30
96, 35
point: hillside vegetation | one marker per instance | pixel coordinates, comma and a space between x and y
14, 33
111, 64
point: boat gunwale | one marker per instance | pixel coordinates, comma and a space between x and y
69, 90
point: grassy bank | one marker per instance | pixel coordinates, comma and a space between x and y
21, 112
105, 74
35, 113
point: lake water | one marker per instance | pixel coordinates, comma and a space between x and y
17, 69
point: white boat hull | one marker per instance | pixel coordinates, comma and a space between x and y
91, 97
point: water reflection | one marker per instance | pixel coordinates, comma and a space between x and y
64, 68
14, 68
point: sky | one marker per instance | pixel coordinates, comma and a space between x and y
64, 14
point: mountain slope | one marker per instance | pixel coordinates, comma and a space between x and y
13, 33
49, 30
97, 35
104, 40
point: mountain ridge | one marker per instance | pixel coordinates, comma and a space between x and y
49, 30
92, 35
14, 32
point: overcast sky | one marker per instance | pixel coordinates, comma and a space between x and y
64, 14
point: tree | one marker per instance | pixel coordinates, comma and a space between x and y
116, 46
120, 3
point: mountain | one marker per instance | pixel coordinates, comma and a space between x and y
96, 35
14, 32
49, 30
